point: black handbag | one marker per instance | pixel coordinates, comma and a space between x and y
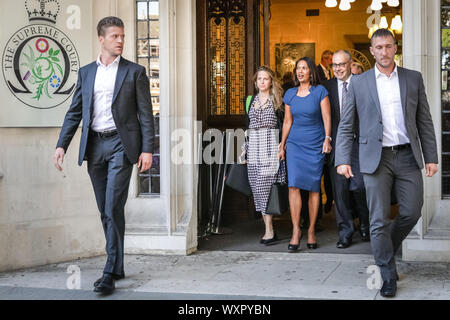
237, 179
279, 196
237, 175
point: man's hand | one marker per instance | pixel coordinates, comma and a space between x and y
431, 168
58, 158
145, 162
345, 170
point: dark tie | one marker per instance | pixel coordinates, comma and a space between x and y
344, 96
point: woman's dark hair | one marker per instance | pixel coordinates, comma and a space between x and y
108, 22
314, 72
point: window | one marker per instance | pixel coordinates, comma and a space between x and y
147, 55
226, 56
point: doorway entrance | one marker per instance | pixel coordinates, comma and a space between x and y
234, 38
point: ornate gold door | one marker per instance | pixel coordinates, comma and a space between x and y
226, 57
227, 51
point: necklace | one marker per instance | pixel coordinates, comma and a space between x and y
261, 105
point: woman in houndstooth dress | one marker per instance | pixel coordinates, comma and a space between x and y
262, 144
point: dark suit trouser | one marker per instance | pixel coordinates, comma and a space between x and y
327, 183
398, 168
347, 202
110, 173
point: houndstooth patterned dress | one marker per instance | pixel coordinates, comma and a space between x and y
262, 151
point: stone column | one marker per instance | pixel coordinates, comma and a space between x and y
168, 223
421, 51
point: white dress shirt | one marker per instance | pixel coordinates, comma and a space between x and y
340, 87
394, 129
105, 80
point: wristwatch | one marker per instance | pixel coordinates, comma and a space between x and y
329, 138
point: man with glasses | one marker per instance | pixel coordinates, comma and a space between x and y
349, 194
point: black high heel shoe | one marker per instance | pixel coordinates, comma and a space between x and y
294, 247
312, 246
269, 241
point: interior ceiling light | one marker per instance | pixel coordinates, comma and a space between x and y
376, 5
397, 24
331, 3
345, 5
372, 30
393, 3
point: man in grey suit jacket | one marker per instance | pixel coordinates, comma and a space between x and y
395, 128
349, 194
112, 98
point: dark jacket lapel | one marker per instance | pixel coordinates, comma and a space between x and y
334, 92
121, 73
372, 85
89, 84
402, 80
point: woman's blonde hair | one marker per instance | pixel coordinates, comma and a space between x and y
276, 91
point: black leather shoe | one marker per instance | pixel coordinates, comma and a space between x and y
389, 289
106, 286
327, 206
365, 235
312, 246
115, 276
269, 241
344, 244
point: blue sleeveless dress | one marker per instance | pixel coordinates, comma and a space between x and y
304, 145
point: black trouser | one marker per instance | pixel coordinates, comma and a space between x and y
110, 173
346, 202
328, 185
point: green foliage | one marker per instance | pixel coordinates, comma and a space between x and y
445, 37
39, 77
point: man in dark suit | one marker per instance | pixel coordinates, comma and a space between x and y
324, 68
325, 65
349, 194
395, 129
112, 98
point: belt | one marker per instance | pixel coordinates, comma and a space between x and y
398, 147
104, 134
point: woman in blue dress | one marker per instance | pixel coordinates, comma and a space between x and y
305, 141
